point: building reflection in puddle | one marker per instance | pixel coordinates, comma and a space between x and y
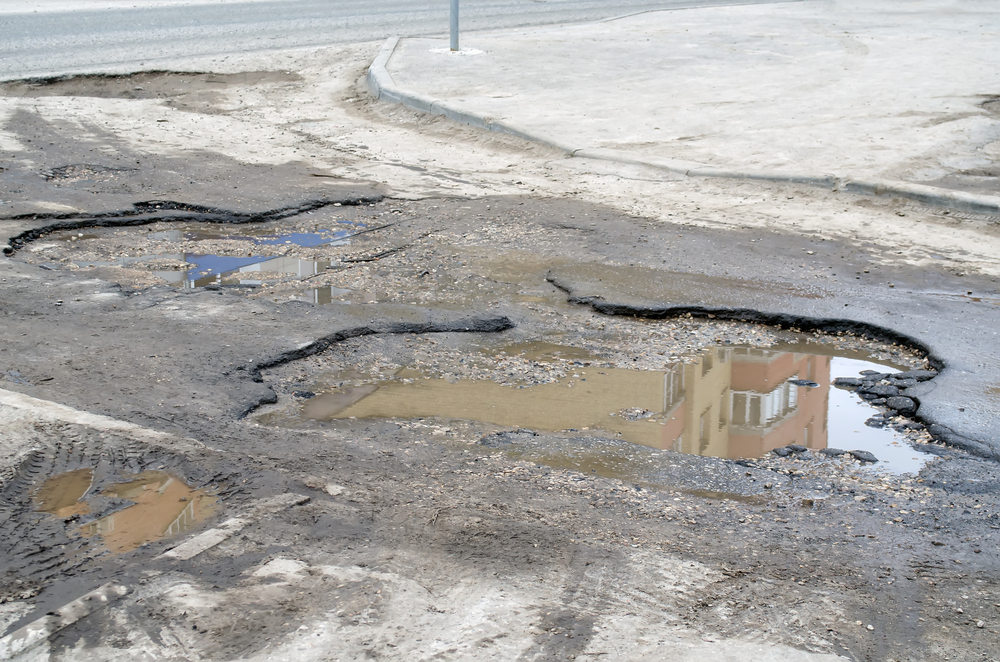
162, 506
219, 269
735, 402
741, 402
329, 294
207, 269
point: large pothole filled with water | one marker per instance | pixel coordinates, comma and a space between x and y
760, 391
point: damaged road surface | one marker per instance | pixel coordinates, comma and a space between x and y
302, 410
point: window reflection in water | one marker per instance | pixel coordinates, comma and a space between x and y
746, 405
734, 402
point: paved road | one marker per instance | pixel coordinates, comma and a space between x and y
98, 38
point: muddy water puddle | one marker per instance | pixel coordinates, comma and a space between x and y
154, 505
61, 495
727, 402
248, 271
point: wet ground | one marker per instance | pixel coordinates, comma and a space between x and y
309, 339
732, 402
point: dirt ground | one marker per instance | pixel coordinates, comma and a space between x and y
427, 538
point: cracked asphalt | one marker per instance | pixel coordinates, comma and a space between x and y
450, 539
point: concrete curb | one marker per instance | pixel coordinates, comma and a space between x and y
383, 88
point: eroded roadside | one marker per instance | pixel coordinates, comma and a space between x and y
454, 538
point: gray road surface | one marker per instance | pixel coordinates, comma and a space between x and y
111, 40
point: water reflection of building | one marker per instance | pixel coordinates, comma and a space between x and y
734, 402
282, 265
741, 403
329, 294
216, 269
163, 506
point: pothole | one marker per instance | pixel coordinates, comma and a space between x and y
397, 254
248, 257
84, 172
144, 508
731, 401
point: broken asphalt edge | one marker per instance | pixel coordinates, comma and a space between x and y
493, 324
148, 212
800, 322
381, 85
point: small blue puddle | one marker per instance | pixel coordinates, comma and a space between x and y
306, 239
213, 269
207, 268
207, 265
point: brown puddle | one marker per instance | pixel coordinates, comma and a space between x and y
61, 495
734, 402
164, 506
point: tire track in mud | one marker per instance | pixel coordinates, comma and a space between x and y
37, 548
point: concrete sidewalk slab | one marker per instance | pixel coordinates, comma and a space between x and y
877, 96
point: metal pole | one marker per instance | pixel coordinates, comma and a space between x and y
454, 25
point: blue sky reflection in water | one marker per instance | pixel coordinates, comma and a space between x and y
209, 268
847, 414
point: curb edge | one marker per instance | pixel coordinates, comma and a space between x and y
381, 85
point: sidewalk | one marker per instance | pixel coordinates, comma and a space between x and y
877, 96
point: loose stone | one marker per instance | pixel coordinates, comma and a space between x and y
881, 390
803, 382
902, 404
902, 383
919, 375
848, 382
871, 375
